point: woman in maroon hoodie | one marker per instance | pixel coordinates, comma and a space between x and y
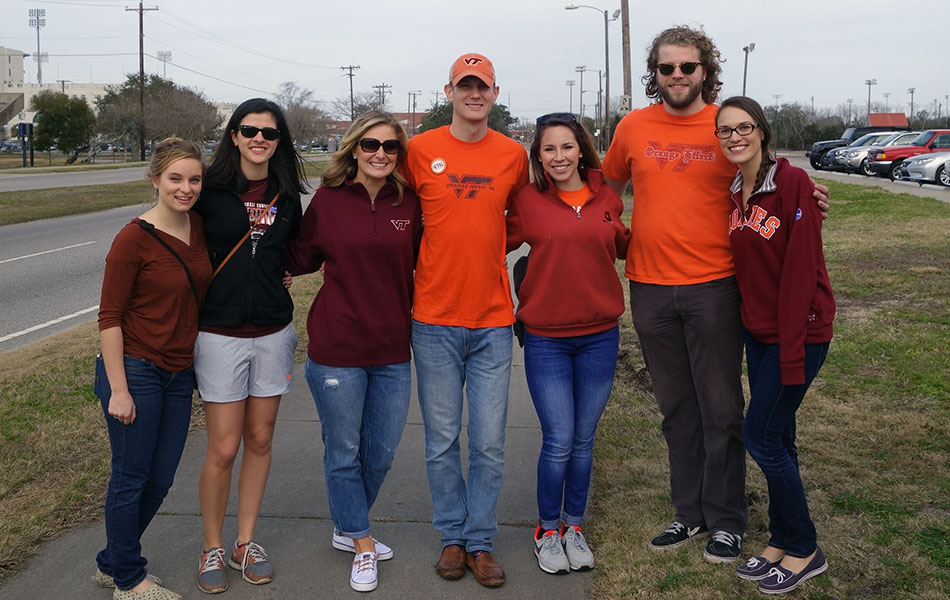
363, 227
569, 302
787, 310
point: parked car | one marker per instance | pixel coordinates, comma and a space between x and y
818, 149
11, 146
886, 161
855, 159
928, 168
831, 159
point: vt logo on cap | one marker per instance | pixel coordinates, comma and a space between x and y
475, 65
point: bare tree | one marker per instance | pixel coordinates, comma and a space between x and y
304, 117
362, 102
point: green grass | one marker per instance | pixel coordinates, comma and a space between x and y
873, 432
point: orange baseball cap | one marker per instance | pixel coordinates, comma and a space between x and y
472, 64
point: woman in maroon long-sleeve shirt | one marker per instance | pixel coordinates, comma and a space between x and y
787, 310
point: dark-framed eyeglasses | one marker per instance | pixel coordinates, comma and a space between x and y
250, 132
743, 129
372, 145
552, 117
687, 68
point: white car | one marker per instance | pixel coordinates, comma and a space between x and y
928, 168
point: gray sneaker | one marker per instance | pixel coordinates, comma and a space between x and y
550, 552
578, 552
211, 576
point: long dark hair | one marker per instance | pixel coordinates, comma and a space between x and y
762, 124
285, 166
708, 56
585, 143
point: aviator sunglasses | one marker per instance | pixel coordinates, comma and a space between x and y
372, 145
556, 117
250, 132
687, 68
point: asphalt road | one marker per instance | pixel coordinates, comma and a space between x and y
28, 181
51, 272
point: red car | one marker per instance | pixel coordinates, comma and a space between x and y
887, 161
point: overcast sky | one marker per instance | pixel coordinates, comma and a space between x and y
235, 49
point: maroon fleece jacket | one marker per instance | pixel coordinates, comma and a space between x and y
361, 315
571, 286
780, 266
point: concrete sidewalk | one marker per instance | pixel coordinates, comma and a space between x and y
295, 525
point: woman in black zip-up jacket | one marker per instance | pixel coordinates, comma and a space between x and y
244, 354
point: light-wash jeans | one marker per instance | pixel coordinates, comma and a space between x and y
448, 358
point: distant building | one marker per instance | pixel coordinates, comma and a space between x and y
12, 88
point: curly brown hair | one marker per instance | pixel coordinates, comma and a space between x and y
682, 35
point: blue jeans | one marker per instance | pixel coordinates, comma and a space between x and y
570, 379
362, 414
448, 358
145, 455
770, 439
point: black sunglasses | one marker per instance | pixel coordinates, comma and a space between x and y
687, 68
743, 129
372, 145
556, 117
250, 132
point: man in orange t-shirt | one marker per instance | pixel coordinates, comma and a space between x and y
464, 175
683, 294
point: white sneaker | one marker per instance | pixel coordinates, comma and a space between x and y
577, 550
341, 542
364, 576
550, 552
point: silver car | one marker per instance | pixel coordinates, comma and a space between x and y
928, 168
854, 159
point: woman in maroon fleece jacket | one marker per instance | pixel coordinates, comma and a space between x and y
363, 227
787, 309
569, 302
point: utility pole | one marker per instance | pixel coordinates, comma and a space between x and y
38, 20
570, 84
869, 83
165, 57
886, 96
351, 68
850, 102
911, 92
141, 12
625, 35
580, 95
382, 90
435, 97
63, 83
777, 98
412, 111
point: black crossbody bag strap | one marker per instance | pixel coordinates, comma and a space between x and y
150, 229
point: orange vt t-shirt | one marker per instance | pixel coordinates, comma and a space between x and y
464, 189
681, 202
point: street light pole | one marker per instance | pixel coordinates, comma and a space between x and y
869, 83
570, 83
911, 92
607, 19
580, 94
886, 96
745, 66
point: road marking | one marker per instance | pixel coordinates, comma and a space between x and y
48, 323
45, 252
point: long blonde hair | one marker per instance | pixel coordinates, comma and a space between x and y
343, 165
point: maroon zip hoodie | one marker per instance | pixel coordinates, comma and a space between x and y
361, 315
571, 286
780, 266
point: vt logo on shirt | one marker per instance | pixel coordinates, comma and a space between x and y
470, 185
755, 222
400, 224
682, 154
